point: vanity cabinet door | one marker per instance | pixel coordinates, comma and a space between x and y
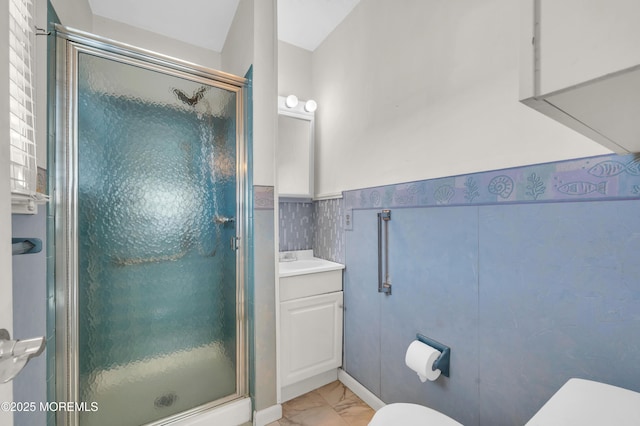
311, 336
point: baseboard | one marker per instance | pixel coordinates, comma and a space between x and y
300, 388
363, 393
268, 415
230, 414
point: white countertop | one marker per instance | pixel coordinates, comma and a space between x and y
305, 263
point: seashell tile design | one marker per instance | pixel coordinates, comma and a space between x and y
603, 177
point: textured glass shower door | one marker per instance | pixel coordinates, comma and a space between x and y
154, 196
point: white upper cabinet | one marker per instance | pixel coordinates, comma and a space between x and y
295, 151
580, 65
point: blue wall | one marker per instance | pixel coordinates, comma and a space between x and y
30, 314
527, 296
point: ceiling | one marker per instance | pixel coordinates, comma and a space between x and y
306, 23
205, 23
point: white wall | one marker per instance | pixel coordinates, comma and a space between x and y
6, 295
156, 42
410, 90
252, 41
41, 84
237, 53
294, 71
74, 13
265, 93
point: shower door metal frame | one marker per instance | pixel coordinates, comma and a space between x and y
70, 43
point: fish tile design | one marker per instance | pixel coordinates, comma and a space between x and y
602, 177
610, 168
583, 188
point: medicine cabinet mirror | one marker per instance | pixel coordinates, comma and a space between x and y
295, 151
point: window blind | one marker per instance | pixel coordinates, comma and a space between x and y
21, 108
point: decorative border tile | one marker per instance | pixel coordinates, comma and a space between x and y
263, 198
604, 177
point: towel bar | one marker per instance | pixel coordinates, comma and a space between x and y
384, 286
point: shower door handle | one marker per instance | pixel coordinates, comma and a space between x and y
223, 220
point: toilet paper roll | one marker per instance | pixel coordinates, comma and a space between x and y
420, 358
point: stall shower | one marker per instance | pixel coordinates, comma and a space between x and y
150, 184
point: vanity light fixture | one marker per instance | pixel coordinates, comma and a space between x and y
310, 105
292, 101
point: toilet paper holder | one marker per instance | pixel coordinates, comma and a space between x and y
442, 362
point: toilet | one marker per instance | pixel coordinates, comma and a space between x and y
410, 415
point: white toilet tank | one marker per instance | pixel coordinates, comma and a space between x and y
410, 415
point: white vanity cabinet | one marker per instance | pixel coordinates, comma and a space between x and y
311, 317
580, 65
311, 339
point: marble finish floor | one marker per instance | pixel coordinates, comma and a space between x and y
330, 405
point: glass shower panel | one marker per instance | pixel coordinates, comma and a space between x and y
157, 276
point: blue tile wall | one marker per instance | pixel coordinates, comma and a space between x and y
361, 358
317, 226
526, 293
559, 298
30, 314
433, 258
296, 226
328, 237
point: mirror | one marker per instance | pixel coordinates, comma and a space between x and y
295, 151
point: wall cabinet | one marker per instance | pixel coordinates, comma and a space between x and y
295, 160
311, 336
580, 65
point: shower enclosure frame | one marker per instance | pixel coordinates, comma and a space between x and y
69, 44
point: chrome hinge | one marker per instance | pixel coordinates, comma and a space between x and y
235, 243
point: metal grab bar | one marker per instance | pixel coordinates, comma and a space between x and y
384, 286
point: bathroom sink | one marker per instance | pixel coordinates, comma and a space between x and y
582, 402
302, 262
302, 275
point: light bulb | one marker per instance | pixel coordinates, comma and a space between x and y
292, 101
311, 105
